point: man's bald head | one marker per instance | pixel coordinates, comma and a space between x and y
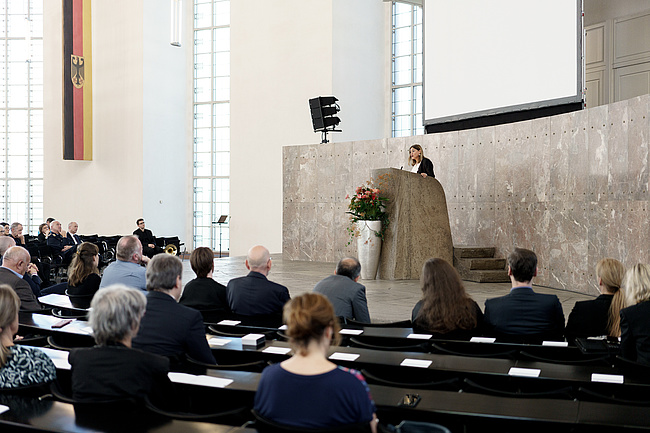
6, 242
258, 259
17, 259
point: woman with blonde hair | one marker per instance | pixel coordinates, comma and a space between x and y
83, 273
445, 308
635, 319
19, 365
420, 164
296, 391
600, 316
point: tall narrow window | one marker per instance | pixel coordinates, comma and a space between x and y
407, 70
21, 113
211, 122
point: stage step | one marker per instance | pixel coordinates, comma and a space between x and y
478, 264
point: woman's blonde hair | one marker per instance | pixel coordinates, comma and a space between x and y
9, 306
416, 147
307, 317
611, 273
637, 284
83, 263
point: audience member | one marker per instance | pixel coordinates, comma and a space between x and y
204, 293
83, 273
127, 269
147, 238
15, 263
16, 232
19, 365
344, 291
168, 328
113, 369
43, 232
295, 391
72, 236
254, 294
600, 316
31, 275
635, 318
445, 308
5, 229
59, 243
524, 315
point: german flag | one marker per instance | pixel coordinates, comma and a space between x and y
77, 82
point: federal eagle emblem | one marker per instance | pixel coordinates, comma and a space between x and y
77, 70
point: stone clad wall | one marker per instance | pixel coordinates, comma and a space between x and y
573, 188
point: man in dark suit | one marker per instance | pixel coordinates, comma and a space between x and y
72, 236
31, 275
168, 328
59, 243
254, 294
344, 291
524, 315
147, 239
15, 263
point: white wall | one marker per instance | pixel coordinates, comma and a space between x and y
140, 123
283, 54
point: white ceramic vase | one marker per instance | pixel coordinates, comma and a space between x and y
368, 248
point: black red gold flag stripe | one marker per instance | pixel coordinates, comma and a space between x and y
77, 81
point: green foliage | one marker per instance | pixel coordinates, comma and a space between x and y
367, 204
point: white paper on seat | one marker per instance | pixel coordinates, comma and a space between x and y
283, 328
420, 336
58, 357
57, 300
526, 372
214, 341
555, 343
202, 380
607, 378
277, 350
344, 356
229, 322
482, 340
3, 408
421, 363
351, 331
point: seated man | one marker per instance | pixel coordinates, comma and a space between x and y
16, 232
59, 243
254, 294
344, 291
147, 239
127, 269
168, 328
203, 292
31, 275
73, 237
524, 313
15, 263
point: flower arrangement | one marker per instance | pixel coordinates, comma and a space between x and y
367, 204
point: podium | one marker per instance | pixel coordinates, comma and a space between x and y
419, 223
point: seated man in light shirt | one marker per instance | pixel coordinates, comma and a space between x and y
127, 269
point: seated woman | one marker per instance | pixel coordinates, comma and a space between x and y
445, 308
600, 316
113, 370
43, 232
294, 392
635, 319
19, 365
83, 273
204, 293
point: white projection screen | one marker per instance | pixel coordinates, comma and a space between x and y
490, 57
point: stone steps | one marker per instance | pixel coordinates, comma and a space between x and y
478, 264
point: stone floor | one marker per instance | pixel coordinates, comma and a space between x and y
388, 301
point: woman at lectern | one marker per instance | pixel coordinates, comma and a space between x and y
420, 164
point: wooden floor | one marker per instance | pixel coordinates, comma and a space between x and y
388, 301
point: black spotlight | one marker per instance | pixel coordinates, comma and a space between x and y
323, 115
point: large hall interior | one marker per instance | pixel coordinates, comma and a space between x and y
194, 115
